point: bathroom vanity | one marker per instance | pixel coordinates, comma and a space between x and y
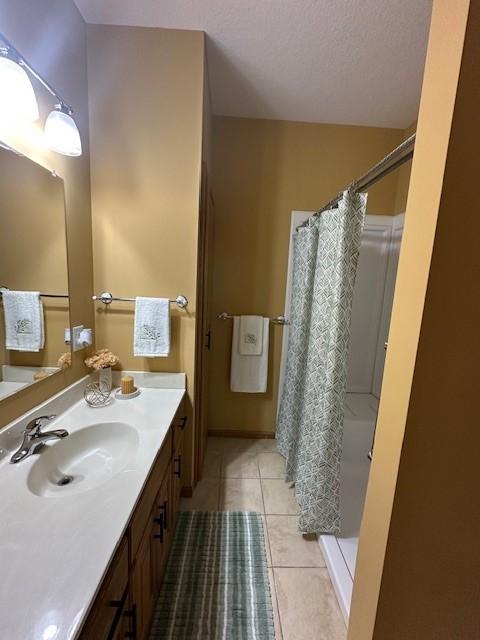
125, 602
85, 559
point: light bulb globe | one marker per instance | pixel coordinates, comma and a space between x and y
61, 132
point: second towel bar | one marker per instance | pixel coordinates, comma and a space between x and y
275, 320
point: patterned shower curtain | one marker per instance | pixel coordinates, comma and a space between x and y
310, 419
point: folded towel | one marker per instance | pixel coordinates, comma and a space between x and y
24, 329
152, 327
248, 374
250, 336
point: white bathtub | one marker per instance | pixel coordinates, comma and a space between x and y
340, 552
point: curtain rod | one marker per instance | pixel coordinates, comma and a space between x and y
386, 165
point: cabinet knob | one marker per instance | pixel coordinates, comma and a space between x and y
182, 422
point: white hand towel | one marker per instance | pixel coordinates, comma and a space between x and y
152, 327
249, 374
250, 336
24, 327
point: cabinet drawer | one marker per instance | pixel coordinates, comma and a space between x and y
152, 487
109, 603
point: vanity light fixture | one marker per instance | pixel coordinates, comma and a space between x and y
19, 103
61, 132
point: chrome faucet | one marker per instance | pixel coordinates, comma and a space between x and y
34, 438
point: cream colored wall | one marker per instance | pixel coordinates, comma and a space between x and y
403, 177
52, 36
263, 170
33, 251
146, 100
418, 562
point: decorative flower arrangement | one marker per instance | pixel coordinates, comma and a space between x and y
41, 375
65, 360
102, 359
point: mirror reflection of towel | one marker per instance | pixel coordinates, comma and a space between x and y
249, 373
24, 325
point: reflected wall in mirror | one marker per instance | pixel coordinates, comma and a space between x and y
33, 258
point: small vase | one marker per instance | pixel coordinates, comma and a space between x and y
105, 379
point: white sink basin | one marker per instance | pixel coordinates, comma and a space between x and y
83, 460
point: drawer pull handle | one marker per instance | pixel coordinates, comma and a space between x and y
182, 422
159, 536
118, 605
178, 466
132, 613
163, 509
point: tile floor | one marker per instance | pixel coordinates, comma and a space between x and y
248, 475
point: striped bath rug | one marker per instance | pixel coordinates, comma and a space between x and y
216, 582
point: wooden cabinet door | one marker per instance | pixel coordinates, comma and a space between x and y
162, 533
107, 610
165, 502
126, 624
142, 584
203, 328
177, 472
143, 510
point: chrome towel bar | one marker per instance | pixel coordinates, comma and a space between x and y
107, 298
276, 320
42, 295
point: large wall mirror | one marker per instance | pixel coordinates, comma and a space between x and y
34, 310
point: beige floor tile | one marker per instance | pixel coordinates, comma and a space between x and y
212, 463
241, 494
239, 445
240, 465
271, 465
276, 617
278, 497
288, 547
266, 445
307, 605
205, 496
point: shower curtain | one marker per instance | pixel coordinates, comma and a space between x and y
310, 419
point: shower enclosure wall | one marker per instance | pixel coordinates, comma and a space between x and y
372, 306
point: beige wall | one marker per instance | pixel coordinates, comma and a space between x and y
418, 565
146, 100
262, 170
403, 177
52, 36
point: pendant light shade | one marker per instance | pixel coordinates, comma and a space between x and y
17, 102
61, 132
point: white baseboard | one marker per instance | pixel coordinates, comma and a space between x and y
339, 573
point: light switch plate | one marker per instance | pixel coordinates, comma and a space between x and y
76, 333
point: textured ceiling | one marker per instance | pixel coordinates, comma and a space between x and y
342, 61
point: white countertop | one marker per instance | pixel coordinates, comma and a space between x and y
54, 551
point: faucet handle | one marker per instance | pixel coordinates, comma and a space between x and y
36, 424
